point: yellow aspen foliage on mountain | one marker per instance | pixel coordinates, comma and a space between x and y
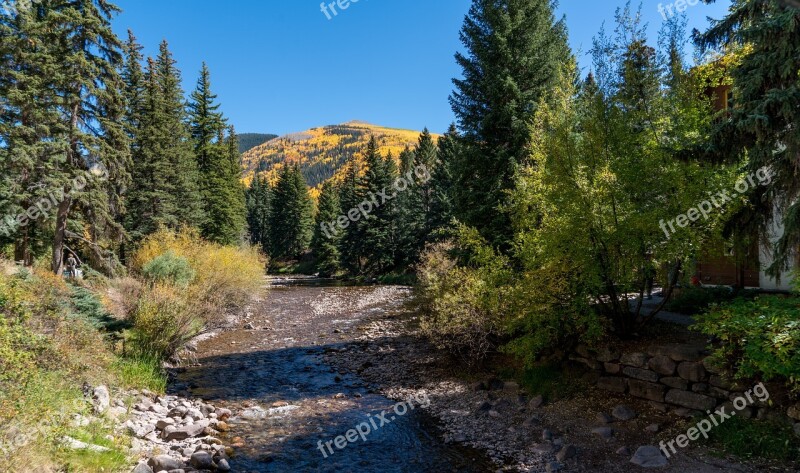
322, 152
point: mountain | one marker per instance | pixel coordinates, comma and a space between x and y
322, 152
248, 141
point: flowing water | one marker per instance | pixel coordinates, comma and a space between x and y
288, 403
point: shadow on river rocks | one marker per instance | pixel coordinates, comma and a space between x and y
314, 361
288, 401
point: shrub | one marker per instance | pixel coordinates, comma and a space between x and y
462, 306
169, 268
162, 322
759, 338
225, 277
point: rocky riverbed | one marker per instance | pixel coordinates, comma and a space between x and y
314, 362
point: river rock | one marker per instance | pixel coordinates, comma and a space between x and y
649, 457
186, 431
165, 462
202, 460
101, 399
604, 432
623, 413
142, 468
222, 465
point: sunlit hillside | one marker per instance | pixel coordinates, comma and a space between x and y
322, 152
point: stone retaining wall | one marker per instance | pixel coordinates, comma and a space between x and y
680, 378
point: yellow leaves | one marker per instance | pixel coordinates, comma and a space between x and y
325, 147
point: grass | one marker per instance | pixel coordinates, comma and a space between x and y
99, 434
140, 373
748, 438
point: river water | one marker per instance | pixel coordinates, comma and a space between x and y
288, 403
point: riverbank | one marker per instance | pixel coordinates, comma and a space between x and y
584, 430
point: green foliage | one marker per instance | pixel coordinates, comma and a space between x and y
748, 438
514, 49
325, 243
464, 306
89, 308
351, 243
163, 323
602, 180
141, 372
380, 225
291, 216
259, 206
758, 338
169, 268
694, 300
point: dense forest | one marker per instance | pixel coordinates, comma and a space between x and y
101, 147
248, 141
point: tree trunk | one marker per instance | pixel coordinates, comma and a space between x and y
60, 234
22, 248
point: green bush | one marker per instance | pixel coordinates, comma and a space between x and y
758, 338
169, 268
694, 300
463, 307
162, 323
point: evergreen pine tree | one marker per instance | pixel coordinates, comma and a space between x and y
441, 211
223, 195
235, 189
325, 243
259, 203
351, 243
514, 51
421, 195
184, 174
86, 77
291, 220
379, 223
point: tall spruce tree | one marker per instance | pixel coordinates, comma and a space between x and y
325, 243
87, 79
441, 211
164, 192
259, 203
237, 206
291, 220
31, 129
178, 145
514, 51
351, 243
223, 194
762, 128
379, 223
421, 194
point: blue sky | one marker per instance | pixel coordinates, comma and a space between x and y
280, 66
